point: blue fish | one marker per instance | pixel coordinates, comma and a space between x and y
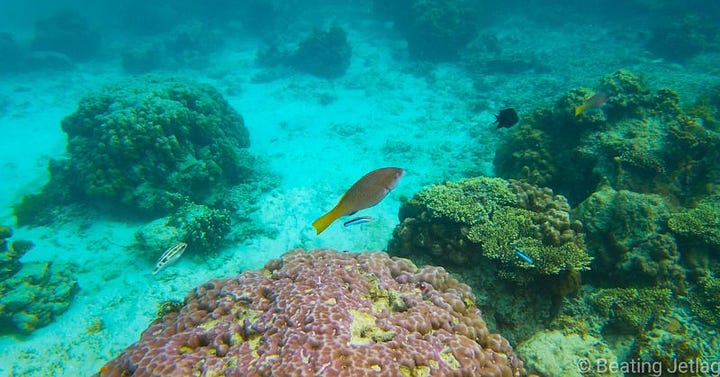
524, 256
358, 220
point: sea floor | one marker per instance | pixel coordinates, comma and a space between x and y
318, 135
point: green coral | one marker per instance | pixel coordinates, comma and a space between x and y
630, 310
491, 217
704, 300
203, 228
151, 145
699, 225
468, 201
638, 140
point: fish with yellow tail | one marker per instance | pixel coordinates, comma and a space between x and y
594, 102
365, 193
169, 256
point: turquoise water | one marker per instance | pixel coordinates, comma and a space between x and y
316, 127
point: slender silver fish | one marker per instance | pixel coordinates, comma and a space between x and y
169, 256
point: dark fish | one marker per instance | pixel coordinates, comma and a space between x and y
506, 118
524, 256
358, 220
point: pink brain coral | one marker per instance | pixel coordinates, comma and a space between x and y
324, 313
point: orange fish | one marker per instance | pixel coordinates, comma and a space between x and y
594, 102
365, 193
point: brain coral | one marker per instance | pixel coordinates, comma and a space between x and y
151, 145
460, 222
324, 313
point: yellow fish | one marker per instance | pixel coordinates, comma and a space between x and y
365, 193
594, 102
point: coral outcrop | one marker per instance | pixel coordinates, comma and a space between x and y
31, 294
488, 220
151, 146
199, 226
324, 313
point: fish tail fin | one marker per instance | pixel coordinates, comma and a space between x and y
579, 109
325, 220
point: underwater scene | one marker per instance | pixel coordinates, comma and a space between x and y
407, 188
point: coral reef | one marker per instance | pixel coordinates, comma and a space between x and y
700, 225
484, 220
204, 229
325, 54
31, 294
324, 313
67, 33
434, 29
628, 233
626, 309
638, 140
151, 146
474, 227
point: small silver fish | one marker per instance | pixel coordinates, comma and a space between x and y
358, 220
169, 256
524, 256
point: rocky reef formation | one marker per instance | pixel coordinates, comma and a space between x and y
31, 294
324, 313
642, 173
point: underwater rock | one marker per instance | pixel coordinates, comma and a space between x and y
31, 294
150, 146
66, 33
324, 313
553, 353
